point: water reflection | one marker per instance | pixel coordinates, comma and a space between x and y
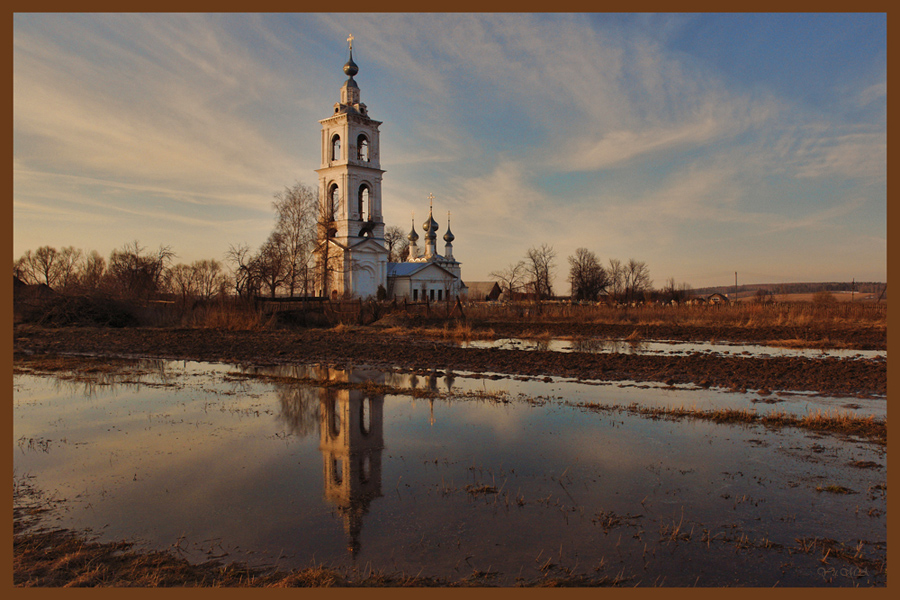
610, 346
294, 469
299, 408
351, 437
92, 381
351, 427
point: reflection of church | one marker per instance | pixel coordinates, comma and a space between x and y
351, 442
354, 260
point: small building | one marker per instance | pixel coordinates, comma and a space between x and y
717, 298
421, 282
480, 291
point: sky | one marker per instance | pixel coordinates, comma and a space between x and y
701, 144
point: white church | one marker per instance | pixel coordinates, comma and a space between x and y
356, 262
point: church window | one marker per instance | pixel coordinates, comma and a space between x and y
439, 295
431, 296
336, 147
364, 207
334, 202
362, 148
415, 295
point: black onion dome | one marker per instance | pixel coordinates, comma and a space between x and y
430, 226
350, 69
413, 236
449, 237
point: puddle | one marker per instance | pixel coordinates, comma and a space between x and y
504, 480
595, 346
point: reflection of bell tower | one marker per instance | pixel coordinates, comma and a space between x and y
352, 438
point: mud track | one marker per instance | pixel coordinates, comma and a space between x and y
372, 347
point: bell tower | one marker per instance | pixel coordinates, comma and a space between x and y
351, 219
350, 172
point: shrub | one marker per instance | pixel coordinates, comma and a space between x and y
823, 298
64, 311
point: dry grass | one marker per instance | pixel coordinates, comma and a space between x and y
834, 489
457, 331
845, 423
232, 317
776, 314
831, 549
62, 558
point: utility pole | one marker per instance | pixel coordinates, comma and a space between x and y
735, 286
852, 288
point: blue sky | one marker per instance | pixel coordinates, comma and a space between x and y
703, 145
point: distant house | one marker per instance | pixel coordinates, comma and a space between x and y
483, 290
717, 298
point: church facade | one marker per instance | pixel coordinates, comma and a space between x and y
353, 261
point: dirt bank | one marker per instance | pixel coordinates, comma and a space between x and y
371, 346
860, 337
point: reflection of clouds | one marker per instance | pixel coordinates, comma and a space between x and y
599, 346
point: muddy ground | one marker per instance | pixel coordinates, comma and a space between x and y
856, 336
373, 346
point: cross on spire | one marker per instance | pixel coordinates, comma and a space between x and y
431, 200
350, 41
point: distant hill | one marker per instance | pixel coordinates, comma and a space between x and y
743, 291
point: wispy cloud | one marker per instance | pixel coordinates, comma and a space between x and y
646, 142
166, 111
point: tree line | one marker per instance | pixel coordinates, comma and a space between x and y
131, 272
589, 280
297, 260
294, 260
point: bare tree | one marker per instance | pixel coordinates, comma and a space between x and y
92, 271
296, 210
210, 278
636, 278
134, 274
68, 267
586, 275
182, 280
55, 268
273, 263
329, 260
616, 275
539, 265
511, 279
396, 243
42, 266
244, 270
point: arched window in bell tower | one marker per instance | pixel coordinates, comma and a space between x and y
365, 211
365, 417
336, 147
362, 148
334, 202
335, 414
